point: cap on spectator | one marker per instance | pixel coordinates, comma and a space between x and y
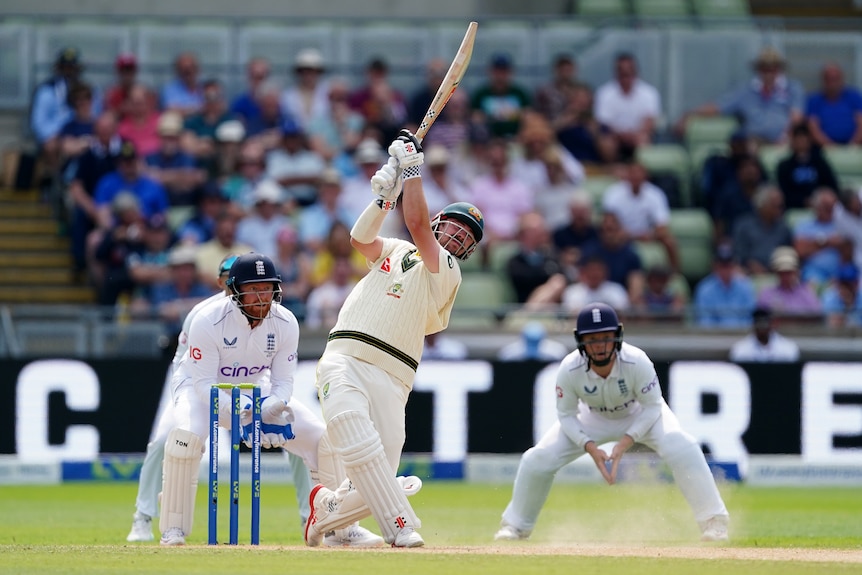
183, 254
267, 191
290, 128
69, 56
501, 61
127, 151
125, 201
436, 155
170, 124
784, 259
848, 273
330, 176
309, 59
231, 131
769, 57
368, 151
126, 62
724, 254
761, 315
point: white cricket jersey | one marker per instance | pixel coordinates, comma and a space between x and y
387, 315
224, 349
183, 340
631, 389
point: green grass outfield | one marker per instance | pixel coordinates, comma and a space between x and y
629, 529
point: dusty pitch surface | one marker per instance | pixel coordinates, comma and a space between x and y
706, 551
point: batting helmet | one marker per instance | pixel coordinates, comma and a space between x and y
596, 318
252, 268
466, 214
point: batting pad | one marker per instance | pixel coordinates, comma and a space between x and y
330, 471
183, 450
357, 442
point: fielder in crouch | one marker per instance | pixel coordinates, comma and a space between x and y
150, 482
366, 372
608, 390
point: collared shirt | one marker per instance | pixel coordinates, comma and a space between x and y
765, 116
798, 300
626, 112
638, 213
717, 304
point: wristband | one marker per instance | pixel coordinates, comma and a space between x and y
386, 205
411, 172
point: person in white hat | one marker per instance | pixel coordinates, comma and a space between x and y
308, 97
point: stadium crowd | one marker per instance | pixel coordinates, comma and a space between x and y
162, 182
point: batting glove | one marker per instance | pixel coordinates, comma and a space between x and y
408, 151
386, 184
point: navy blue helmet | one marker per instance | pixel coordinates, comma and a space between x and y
252, 268
596, 318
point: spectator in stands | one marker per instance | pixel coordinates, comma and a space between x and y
420, 99
260, 228
803, 170
593, 285
661, 298
789, 296
118, 95
848, 219
501, 196
628, 108
818, 239
735, 198
535, 261
552, 200
552, 97
335, 135
265, 127
123, 237
842, 300
616, 249
200, 227
438, 345
325, 300
538, 144
835, 112
171, 166
367, 157
184, 93
308, 97
579, 131
76, 134
199, 128
382, 106
149, 266
726, 297
642, 209
757, 234
337, 246
441, 189
316, 220
579, 229
533, 344
500, 102
171, 301
97, 160
764, 344
295, 166
223, 243
767, 106
251, 169
140, 125
452, 128
129, 176
720, 169
245, 106
50, 109
295, 268
229, 137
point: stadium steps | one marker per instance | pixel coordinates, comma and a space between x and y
37, 265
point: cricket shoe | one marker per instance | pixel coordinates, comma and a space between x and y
510, 533
407, 537
714, 529
353, 536
142, 528
318, 499
173, 536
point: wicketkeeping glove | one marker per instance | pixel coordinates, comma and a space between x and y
408, 151
271, 435
386, 184
276, 418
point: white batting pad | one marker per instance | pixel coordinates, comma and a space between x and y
183, 450
358, 444
331, 472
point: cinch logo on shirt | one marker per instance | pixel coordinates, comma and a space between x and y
241, 370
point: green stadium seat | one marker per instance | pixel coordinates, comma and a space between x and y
846, 161
603, 8
596, 186
481, 298
722, 8
794, 215
763, 281
676, 9
500, 255
178, 215
693, 230
669, 159
770, 155
709, 129
652, 254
